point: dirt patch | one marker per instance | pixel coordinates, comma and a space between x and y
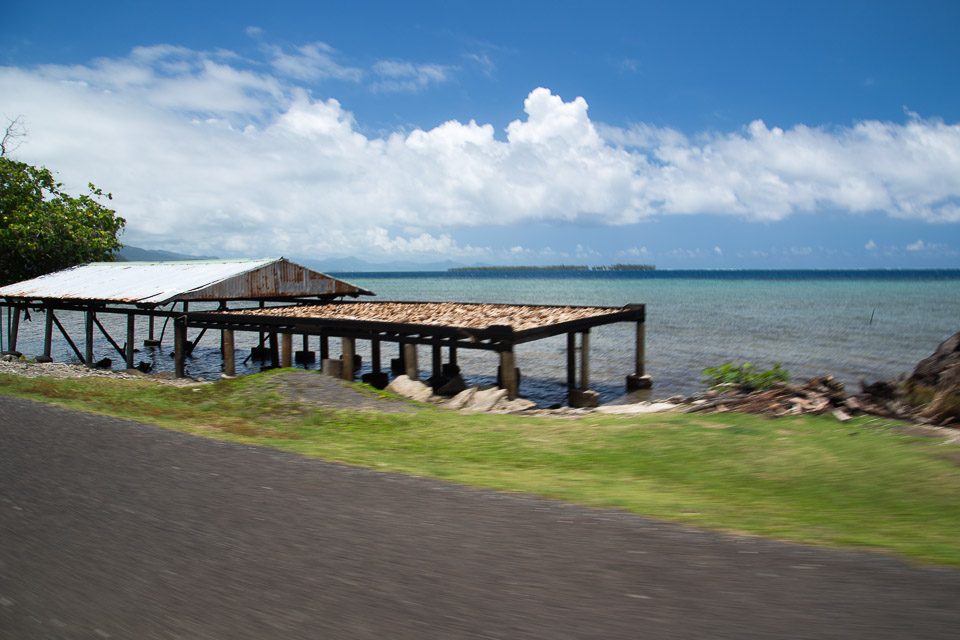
315, 389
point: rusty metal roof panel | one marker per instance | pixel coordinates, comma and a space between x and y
163, 282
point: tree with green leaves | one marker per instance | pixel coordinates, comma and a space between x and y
43, 229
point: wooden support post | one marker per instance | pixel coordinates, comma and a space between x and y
131, 320
641, 347
375, 355
584, 360
508, 374
48, 337
229, 354
411, 367
286, 351
274, 350
453, 355
349, 350
639, 379
262, 305
150, 341
437, 361
14, 330
580, 395
324, 346
88, 338
305, 356
571, 360
180, 347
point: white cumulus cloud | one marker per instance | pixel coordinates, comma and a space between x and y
206, 152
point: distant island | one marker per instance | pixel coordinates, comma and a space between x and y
561, 267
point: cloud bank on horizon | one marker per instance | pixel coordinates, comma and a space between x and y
221, 154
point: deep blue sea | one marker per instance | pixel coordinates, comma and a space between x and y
871, 324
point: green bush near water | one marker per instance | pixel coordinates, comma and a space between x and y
745, 376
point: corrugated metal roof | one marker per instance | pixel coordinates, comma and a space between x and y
163, 282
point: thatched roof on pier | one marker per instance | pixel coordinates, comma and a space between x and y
450, 314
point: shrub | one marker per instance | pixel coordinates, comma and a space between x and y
745, 376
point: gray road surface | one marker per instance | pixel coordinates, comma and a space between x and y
113, 529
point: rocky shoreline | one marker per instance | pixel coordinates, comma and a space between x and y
30, 369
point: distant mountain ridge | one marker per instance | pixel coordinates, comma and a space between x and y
136, 254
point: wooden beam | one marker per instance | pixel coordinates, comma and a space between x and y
571, 360
67, 338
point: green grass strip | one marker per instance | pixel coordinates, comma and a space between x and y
863, 484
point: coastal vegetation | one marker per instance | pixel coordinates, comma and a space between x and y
44, 229
868, 483
746, 376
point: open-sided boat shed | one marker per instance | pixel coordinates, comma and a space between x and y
311, 309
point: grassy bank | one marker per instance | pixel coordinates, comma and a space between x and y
861, 484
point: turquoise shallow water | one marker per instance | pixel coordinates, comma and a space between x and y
854, 328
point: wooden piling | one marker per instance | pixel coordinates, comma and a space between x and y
131, 319
349, 351
88, 338
229, 354
585, 360
180, 346
286, 350
48, 335
639, 379
324, 347
375, 355
274, 350
14, 330
437, 361
571, 360
508, 374
410, 361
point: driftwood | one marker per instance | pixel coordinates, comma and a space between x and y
453, 314
818, 395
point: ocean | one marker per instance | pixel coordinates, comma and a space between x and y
854, 325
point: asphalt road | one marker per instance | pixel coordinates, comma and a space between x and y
113, 529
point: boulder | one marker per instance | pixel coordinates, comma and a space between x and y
486, 399
930, 369
945, 406
452, 386
460, 400
514, 406
413, 389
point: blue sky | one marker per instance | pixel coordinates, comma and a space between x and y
682, 134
